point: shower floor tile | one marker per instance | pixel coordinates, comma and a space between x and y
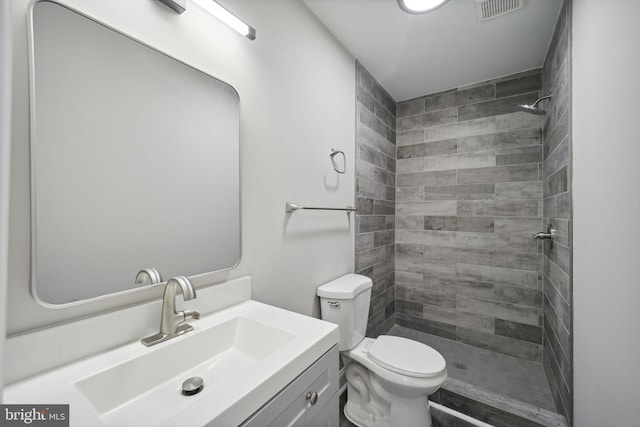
495, 372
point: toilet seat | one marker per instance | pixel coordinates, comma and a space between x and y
408, 383
406, 357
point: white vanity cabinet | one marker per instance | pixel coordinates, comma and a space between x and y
311, 400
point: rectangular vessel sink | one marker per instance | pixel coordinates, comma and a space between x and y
245, 354
213, 354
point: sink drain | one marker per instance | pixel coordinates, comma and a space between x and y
193, 385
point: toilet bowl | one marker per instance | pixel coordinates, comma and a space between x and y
388, 378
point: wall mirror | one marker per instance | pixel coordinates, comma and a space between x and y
134, 161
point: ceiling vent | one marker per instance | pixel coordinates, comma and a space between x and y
489, 9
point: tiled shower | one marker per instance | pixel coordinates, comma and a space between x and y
450, 192
469, 193
375, 197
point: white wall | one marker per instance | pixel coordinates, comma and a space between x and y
297, 91
606, 153
5, 113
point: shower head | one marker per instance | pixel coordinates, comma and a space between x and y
532, 109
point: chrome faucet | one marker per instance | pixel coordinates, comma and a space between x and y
172, 322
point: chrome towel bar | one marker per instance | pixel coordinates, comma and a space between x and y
292, 207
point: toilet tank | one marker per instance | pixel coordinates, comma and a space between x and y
345, 302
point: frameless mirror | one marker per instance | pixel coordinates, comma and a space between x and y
134, 159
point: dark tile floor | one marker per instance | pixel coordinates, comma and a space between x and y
504, 390
505, 375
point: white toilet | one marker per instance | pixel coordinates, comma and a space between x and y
389, 378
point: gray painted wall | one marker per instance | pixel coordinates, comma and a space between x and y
557, 338
469, 197
5, 138
375, 196
605, 128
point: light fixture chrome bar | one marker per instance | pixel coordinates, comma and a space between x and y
178, 6
217, 10
292, 207
227, 17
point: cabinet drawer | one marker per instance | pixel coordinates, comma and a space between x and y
297, 405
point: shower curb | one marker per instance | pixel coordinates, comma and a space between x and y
494, 408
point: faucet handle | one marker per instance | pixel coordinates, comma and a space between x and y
150, 275
190, 314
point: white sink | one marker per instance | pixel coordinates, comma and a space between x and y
245, 355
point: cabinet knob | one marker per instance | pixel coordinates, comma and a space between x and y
312, 397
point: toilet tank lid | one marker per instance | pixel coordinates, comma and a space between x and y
345, 287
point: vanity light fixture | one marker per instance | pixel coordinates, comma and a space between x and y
215, 9
420, 6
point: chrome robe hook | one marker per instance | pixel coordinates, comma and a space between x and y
333, 155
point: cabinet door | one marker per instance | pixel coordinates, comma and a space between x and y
297, 405
327, 416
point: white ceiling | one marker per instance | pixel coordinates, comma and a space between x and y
415, 55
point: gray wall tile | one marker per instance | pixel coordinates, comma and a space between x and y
431, 207
371, 223
523, 84
500, 141
483, 126
519, 190
449, 146
426, 178
498, 207
510, 346
512, 312
378, 142
410, 222
556, 183
369, 119
518, 331
460, 192
371, 189
364, 242
409, 138
491, 274
495, 107
459, 161
440, 223
383, 207
555, 136
374, 173
384, 238
427, 119
475, 94
441, 100
371, 155
520, 242
364, 205
512, 173
558, 159
410, 108
375, 195
517, 225
368, 83
429, 326
424, 237
410, 194
480, 224
513, 156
